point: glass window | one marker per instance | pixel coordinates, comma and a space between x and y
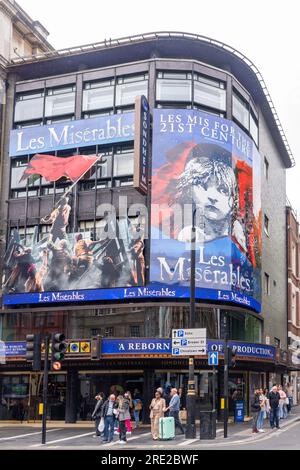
98, 95
210, 93
267, 284
253, 128
135, 331
26, 236
266, 168
60, 101
110, 331
26, 125
57, 120
123, 162
240, 110
174, 86
128, 88
18, 167
29, 106
266, 225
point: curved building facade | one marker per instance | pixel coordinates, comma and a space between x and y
100, 188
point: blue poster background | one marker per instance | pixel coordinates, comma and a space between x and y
221, 263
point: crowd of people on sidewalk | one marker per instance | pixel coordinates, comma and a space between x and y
273, 405
113, 415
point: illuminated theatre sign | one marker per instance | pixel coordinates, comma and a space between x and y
208, 166
196, 158
83, 133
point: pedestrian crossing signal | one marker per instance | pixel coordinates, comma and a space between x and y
59, 348
33, 351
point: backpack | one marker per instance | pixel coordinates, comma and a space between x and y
137, 405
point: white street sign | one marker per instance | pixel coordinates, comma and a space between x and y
196, 342
191, 342
190, 333
189, 351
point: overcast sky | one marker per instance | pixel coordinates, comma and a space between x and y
266, 31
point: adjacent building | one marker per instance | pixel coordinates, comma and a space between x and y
215, 141
293, 317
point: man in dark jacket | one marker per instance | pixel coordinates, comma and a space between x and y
274, 398
255, 408
96, 415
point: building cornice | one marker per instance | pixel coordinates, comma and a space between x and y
176, 43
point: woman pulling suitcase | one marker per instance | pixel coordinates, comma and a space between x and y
157, 407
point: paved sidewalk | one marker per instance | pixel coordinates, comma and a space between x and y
243, 431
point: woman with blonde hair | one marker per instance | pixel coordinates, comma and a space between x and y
157, 407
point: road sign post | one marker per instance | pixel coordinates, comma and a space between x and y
45, 388
190, 342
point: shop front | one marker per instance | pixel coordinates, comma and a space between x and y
129, 364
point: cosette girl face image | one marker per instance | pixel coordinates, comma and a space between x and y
213, 185
209, 180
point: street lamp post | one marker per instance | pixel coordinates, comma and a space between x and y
190, 432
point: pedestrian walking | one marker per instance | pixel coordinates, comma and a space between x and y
137, 406
96, 415
123, 416
282, 403
274, 398
166, 396
289, 393
128, 396
262, 412
109, 411
174, 408
157, 407
255, 409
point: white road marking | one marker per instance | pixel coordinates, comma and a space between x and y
65, 439
109, 444
186, 443
25, 435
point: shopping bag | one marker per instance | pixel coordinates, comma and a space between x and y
101, 425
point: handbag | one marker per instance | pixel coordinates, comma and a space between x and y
101, 425
287, 401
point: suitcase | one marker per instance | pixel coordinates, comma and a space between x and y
166, 428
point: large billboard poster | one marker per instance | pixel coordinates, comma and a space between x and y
208, 166
71, 262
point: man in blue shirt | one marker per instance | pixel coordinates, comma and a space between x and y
174, 408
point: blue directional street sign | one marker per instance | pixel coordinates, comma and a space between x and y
213, 358
180, 333
175, 351
184, 342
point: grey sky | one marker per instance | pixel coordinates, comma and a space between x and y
267, 32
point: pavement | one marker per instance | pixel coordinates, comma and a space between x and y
61, 436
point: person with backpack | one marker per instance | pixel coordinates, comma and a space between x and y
137, 407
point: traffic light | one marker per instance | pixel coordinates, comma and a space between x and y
59, 348
33, 351
95, 348
231, 357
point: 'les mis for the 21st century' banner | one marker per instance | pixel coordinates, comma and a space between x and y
206, 164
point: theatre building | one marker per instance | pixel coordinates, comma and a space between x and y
110, 151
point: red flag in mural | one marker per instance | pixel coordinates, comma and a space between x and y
54, 168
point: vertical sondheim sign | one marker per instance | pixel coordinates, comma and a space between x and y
141, 144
